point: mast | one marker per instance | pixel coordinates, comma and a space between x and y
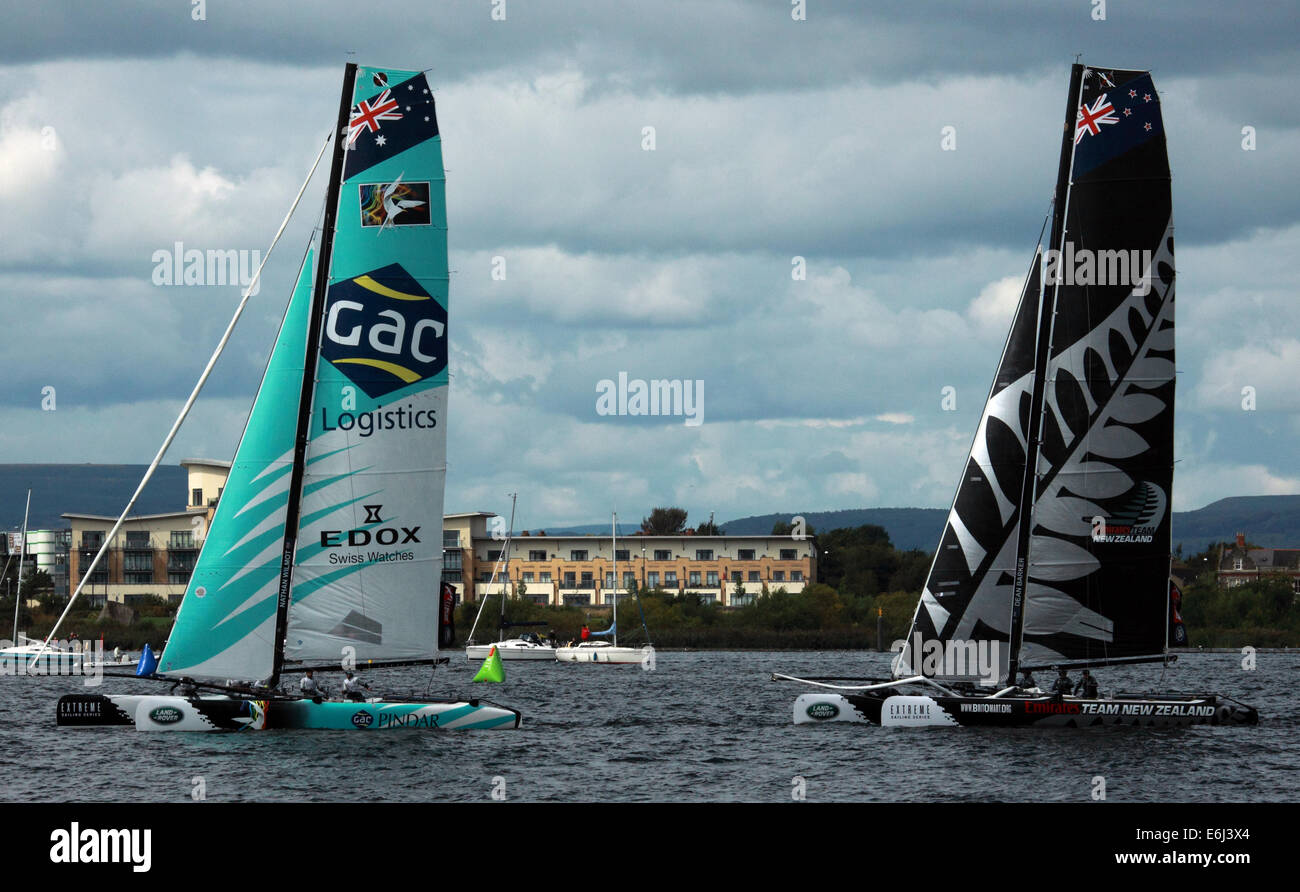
22, 552
315, 317
1047, 313
510, 532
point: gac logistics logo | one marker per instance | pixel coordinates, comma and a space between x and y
383, 331
363, 719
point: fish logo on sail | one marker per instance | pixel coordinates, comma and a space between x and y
384, 331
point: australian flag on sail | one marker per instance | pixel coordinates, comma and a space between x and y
1118, 111
390, 120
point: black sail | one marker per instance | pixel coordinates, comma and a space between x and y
1099, 547
966, 593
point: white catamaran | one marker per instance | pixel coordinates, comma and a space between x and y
605, 651
1058, 544
326, 548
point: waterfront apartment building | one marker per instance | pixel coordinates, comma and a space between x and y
578, 570
45, 550
1240, 564
152, 555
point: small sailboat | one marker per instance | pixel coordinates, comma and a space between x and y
607, 651
325, 551
1056, 553
527, 646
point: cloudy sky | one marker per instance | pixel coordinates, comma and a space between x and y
128, 127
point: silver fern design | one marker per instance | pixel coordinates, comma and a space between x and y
1105, 392
967, 590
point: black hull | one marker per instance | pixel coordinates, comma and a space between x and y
888, 708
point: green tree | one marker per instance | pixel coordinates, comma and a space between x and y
664, 522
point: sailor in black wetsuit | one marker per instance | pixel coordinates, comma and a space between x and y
1087, 685
1062, 685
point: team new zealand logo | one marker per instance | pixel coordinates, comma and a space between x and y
384, 331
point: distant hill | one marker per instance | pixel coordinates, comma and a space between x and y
85, 489
1266, 521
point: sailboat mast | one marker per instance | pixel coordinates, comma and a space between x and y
22, 552
1046, 315
505, 577
315, 316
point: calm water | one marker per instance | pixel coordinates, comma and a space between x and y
701, 727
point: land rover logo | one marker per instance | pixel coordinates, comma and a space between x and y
363, 719
165, 715
823, 711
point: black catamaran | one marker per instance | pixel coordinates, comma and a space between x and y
1056, 552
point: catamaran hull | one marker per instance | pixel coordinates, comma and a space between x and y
900, 711
222, 713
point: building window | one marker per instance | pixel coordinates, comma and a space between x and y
695, 577
137, 561
141, 577
796, 576
453, 560
708, 597
609, 579
177, 578
451, 538
620, 554
663, 554
528, 577
494, 555
629, 580
704, 554
652, 579
670, 578
137, 539
745, 554
753, 576
744, 599
578, 554
196, 496
588, 581
735, 576
534, 555
577, 600
545, 576
712, 578
181, 539
789, 554
1237, 564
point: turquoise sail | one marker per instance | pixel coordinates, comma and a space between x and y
226, 623
368, 560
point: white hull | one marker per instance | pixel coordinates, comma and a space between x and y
512, 650
601, 652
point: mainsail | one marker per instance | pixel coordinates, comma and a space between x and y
369, 550
327, 543
1101, 540
1084, 398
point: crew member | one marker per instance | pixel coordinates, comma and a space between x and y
1027, 680
586, 633
1063, 685
352, 687
309, 687
1087, 685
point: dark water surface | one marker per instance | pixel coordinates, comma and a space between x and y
700, 727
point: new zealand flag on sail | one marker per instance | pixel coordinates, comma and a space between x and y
388, 122
1118, 111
